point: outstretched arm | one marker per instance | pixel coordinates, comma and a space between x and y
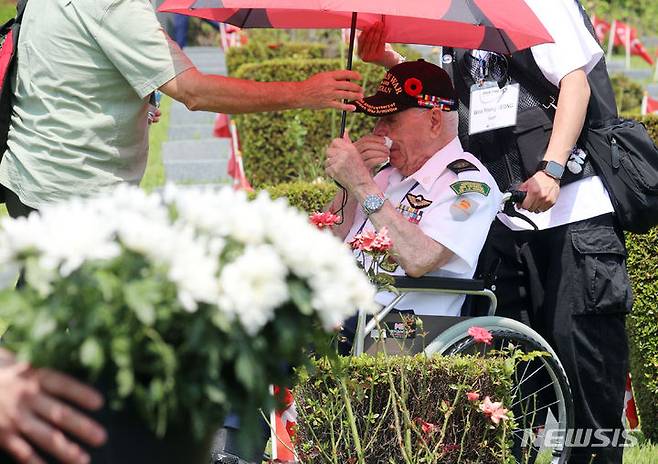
221, 94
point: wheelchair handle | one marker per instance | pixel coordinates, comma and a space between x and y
516, 196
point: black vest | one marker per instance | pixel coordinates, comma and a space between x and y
512, 154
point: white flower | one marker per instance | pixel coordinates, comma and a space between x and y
253, 286
184, 233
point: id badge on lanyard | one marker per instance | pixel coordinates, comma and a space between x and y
490, 106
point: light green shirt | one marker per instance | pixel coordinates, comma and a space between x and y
85, 71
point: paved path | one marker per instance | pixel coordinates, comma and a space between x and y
192, 154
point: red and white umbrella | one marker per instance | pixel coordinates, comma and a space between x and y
503, 27
494, 25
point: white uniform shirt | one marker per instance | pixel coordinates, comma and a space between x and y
458, 222
574, 48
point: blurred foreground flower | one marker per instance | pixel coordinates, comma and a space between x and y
184, 304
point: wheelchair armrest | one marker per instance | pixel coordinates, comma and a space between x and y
443, 283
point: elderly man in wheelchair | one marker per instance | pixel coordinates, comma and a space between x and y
437, 203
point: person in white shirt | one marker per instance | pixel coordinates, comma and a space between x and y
568, 279
436, 200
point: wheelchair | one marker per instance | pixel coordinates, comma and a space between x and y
541, 403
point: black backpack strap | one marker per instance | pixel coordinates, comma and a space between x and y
20, 9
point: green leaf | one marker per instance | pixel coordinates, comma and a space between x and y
141, 296
44, 325
91, 354
126, 382
215, 394
300, 294
245, 369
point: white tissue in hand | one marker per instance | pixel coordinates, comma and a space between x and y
388, 142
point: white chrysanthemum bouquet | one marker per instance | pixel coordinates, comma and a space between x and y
181, 305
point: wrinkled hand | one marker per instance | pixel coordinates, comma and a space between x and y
154, 116
373, 150
329, 89
34, 411
374, 49
542, 191
345, 165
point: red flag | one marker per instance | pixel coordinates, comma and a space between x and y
283, 433
602, 28
630, 412
625, 33
235, 169
222, 126
620, 33
649, 105
637, 48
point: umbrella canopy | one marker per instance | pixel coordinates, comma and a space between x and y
494, 25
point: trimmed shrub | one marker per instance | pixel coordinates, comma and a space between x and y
258, 52
643, 322
643, 327
287, 146
628, 93
427, 408
651, 121
306, 196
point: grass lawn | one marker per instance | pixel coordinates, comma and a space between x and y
646, 453
154, 176
7, 10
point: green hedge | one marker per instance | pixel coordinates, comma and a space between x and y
643, 322
432, 390
258, 52
643, 328
307, 196
286, 146
651, 121
628, 93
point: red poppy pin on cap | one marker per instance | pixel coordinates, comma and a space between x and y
414, 84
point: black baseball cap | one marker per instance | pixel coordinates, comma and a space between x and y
413, 84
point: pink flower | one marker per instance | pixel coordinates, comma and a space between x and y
495, 411
426, 427
382, 241
377, 242
322, 220
473, 396
363, 241
480, 335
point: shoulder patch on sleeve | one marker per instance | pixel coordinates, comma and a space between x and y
467, 186
462, 165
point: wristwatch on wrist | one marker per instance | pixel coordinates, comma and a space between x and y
551, 169
373, 203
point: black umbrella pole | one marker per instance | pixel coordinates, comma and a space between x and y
343, 118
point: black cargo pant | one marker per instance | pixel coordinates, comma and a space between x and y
570, 283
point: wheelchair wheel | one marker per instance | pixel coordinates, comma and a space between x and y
541, 399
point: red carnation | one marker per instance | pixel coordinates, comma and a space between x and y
322, 220
413, 87
480, 335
